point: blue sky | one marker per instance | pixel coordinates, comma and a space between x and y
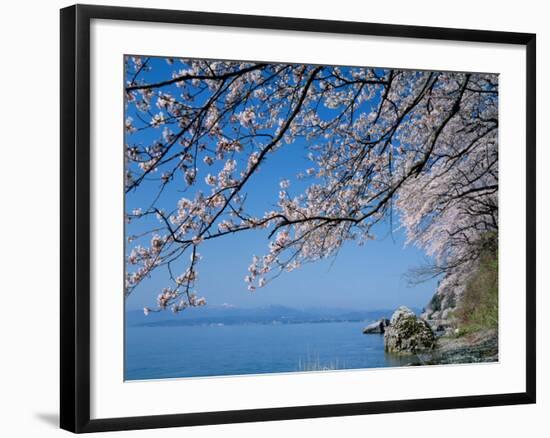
366, 277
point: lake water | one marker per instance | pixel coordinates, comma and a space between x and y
193, 351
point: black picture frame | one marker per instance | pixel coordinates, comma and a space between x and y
75, 217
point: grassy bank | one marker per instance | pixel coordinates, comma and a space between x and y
478, 307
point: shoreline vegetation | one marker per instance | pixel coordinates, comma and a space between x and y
459, 325
471, 333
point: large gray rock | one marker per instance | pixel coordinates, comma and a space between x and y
377, 326
408, 334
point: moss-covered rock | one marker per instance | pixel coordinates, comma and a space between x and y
408, 334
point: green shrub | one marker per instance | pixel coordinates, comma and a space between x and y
478, 306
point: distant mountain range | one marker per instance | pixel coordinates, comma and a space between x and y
232, 315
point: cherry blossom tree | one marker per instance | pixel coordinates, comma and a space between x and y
417, 146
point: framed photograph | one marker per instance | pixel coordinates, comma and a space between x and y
269, 218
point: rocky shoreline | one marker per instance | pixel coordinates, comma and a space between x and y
433, 342
471, 348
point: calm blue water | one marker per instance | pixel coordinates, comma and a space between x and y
192, 351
